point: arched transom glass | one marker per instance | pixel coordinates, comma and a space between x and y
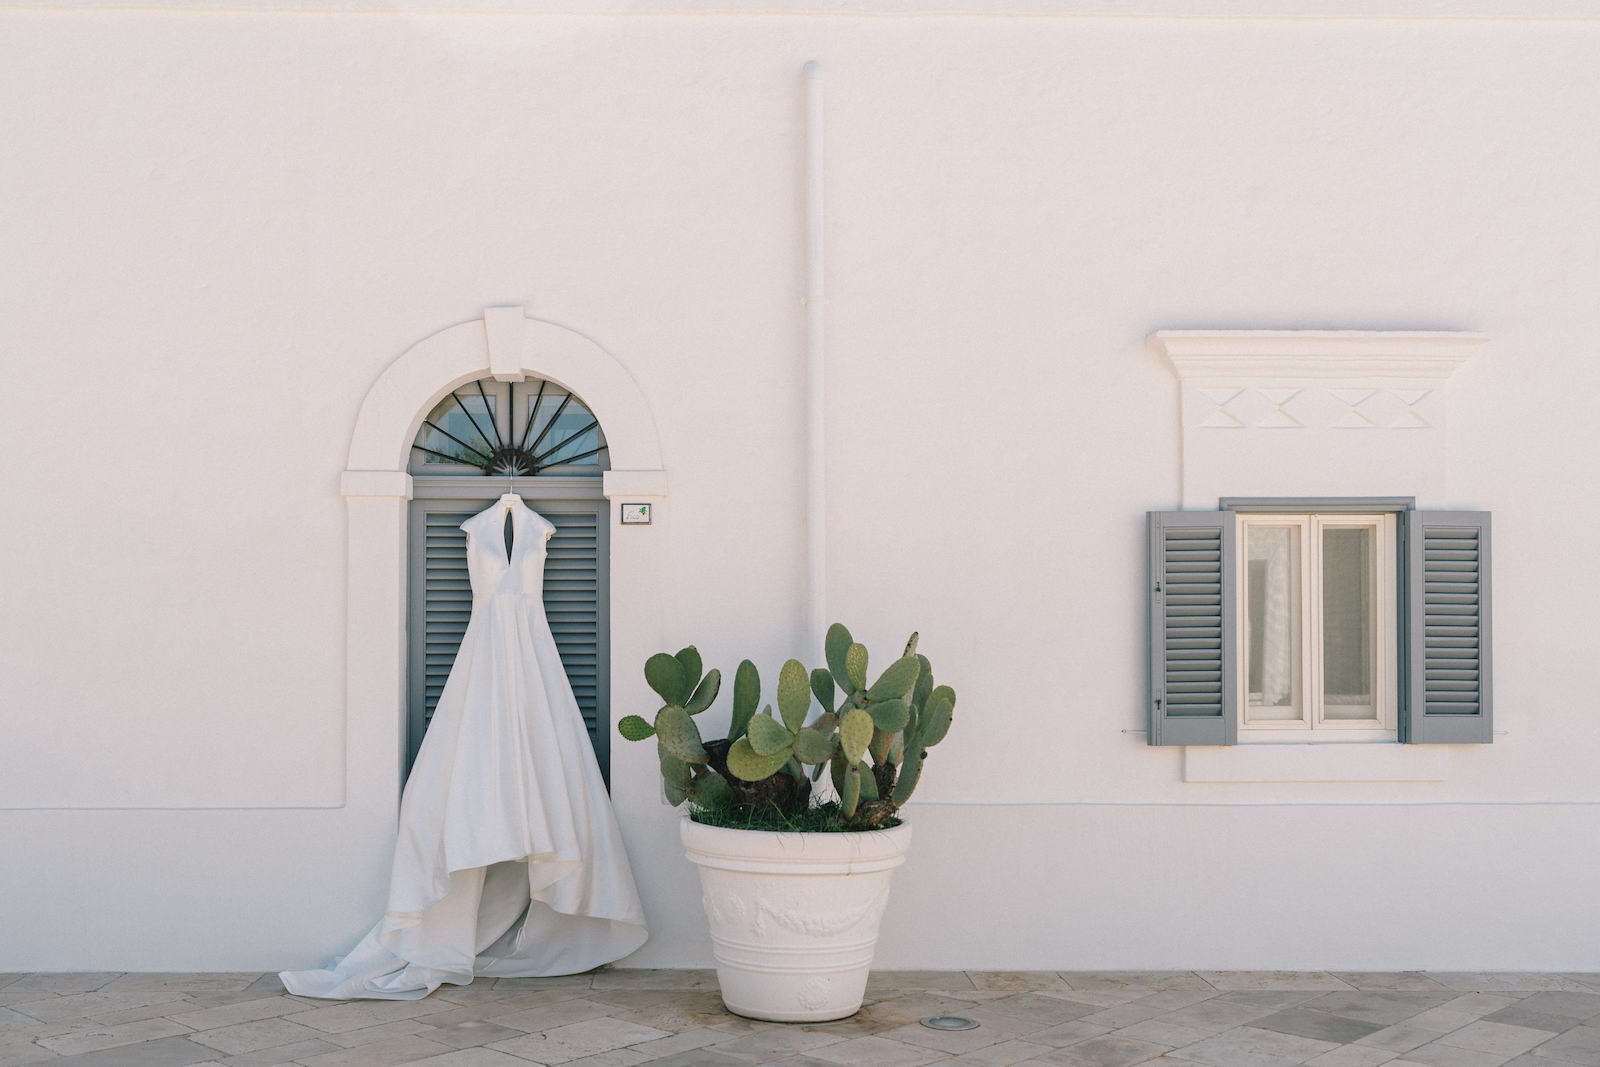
519, 429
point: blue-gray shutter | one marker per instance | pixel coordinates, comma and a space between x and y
576, 599
1445, 680
1193, 609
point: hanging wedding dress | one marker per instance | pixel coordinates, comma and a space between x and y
509, 862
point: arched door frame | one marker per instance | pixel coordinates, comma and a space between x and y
507, 344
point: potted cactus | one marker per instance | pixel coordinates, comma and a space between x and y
794, 911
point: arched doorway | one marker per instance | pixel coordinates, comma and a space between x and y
378, 486
541, 441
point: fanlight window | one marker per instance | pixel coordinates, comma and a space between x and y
518, 429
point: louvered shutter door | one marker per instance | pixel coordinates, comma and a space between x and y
1193, 603
1447, 682
575, 597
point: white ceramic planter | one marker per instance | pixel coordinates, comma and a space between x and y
794, 917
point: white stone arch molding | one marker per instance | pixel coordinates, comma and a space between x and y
508, 345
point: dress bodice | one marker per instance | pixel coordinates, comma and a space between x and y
491, 571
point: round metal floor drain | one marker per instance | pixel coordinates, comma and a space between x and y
949, 1022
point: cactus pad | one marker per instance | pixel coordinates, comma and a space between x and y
890, 716
855, 666
822, 687
746, 764
679, 735
834, 646
768, 736
665, 675
794, 694
689, 660
811, 747
855, 734
635, 728
746, 696
705, 692
850, 794
896, 681
936, 720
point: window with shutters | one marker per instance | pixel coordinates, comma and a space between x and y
1330, 620
542, 442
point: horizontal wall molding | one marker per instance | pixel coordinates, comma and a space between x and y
1299, 355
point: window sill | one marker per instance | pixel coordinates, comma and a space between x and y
1331, 762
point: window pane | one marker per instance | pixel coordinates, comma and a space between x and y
462, 420
1347, 637
1272, 598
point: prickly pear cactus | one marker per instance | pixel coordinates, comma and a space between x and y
873, 739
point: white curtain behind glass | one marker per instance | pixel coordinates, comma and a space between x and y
1274, 575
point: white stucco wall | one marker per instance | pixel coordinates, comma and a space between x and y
223, 226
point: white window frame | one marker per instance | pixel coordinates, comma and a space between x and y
1313, 723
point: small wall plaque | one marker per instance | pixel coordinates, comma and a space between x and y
636, 514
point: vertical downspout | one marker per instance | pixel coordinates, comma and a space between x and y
816, 351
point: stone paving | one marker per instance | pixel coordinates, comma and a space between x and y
616, 1018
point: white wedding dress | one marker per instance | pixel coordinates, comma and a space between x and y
509, 862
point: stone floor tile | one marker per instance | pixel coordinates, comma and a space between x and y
1517, 1015
1226, 980
1171, 999
576, 1040
1018, 981
1247, 1046
1068, 1033
1481, 1004
618, 1057
1584, 978
383, 1054
875, 1052
86, 982
1386, 1008
472, 1057
775, 1042
1508, 981
1162, 1032
1485, 1036
1107, 998
1318, 1024
1437, 1055
471, 1033
1046, 1010
550, 1016
88, 1005
372, 1035
1004, 1054
1579, 1045
1108, 1051
268, 1057
246, 1011
1121, 1015
360, 1014
16, 1020
910, 1009
1413, 981
1216, 1015
680, 980
1270, 999
1153, 981
96, 1038
1577, 1006
1442, 1020
899, 982
1401, 1037
710, 1057
950, 1042
165, 1052
200, 982
530, 985
248, 1037
29, 1053
674, 1044
1354, 1056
